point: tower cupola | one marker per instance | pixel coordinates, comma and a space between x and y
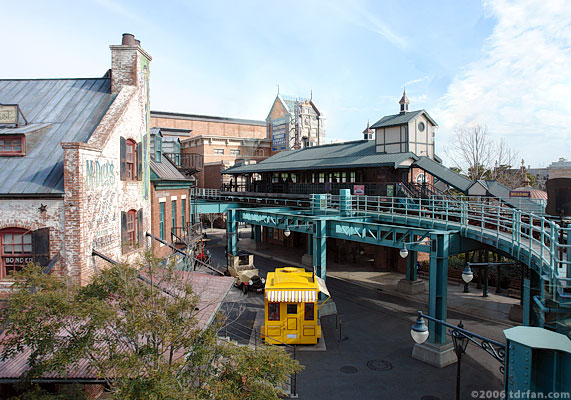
404, 102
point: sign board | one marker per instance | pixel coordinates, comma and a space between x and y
279, 137
359, 190
390, 190
517, 193
8, 114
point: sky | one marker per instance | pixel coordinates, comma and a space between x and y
505, 64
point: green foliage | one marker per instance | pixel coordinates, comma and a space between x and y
137, 328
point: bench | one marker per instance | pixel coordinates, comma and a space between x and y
454, 275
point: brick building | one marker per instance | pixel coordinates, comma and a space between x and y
74, 167
221, 141
170, 199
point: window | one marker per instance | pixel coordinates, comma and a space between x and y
273, 311
343, 177
158, 148
218, 151
321, 177
131, 228
292, 308
15, 250
173, 213
131, 160
234, 152
183, 213
162, 220
352, 176
130, 156
309, 312
12, 146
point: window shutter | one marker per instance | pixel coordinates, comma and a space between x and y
123, 163
140, 229
139, 161
41, 246
123, 231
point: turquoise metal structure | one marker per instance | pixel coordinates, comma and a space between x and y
542, 246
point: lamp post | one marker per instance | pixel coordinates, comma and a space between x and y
460, 338
467, 277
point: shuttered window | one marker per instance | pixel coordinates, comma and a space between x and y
15, 250
183, 213
130, 160
131, 230
173, 214
162, 220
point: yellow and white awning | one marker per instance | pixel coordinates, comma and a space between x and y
291, 296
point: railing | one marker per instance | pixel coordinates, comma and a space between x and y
187, 161
205, 192
370, 188
535, 240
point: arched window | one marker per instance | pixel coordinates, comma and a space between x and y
15, 250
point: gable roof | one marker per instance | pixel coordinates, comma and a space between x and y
355, 154
66, 110
166, 170
401, 118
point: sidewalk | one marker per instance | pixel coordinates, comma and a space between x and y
494, 308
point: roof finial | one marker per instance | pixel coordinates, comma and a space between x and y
278, 89
311, 95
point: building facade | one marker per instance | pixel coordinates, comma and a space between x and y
220, 141
74, 168
295, 123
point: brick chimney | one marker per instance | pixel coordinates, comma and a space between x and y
129, 63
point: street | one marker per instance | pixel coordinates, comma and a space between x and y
373, 359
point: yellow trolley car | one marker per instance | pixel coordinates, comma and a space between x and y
290, 306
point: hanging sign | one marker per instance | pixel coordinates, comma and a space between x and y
359, 190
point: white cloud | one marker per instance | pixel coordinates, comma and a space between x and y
519, 87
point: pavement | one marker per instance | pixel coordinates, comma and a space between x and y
368, 343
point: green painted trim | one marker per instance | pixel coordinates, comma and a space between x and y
172, 185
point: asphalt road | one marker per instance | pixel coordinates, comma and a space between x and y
373, 361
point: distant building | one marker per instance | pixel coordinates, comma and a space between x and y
295, 123
220, 141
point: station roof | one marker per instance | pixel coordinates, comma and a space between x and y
444, 174
401, 118
57, 110
355, 154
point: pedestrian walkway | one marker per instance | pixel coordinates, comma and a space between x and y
495, 307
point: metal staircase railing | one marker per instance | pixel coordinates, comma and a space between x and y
532, 239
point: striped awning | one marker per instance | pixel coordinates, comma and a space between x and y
291, 296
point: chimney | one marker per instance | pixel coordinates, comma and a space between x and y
129, 63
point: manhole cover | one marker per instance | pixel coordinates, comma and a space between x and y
380, 365
429, 397
347, 369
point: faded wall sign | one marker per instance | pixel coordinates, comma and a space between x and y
8, 113
99, 174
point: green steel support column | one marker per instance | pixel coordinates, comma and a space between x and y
257, 233
411, 274
438, 286
320, 249
526, 298
232, 232
309, 244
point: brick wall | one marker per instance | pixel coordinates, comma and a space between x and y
167, 196
211, 128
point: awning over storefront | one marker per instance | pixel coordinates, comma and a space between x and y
291, 296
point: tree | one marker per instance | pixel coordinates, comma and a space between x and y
137, 329
479, 156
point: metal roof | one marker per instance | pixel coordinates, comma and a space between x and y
209, 118
167, 171
444, 174
73, 107
496, 189
401, 118
347, 155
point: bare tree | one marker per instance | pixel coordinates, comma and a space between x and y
476, 153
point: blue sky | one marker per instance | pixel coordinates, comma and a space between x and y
504, 64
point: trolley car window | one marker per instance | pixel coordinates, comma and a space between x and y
273, 311
308, 312
292, 308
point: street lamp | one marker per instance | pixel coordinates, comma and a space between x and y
419, 330
460, 338
467, 277
404, 251
287, 232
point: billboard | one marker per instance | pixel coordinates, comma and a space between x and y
279, 139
